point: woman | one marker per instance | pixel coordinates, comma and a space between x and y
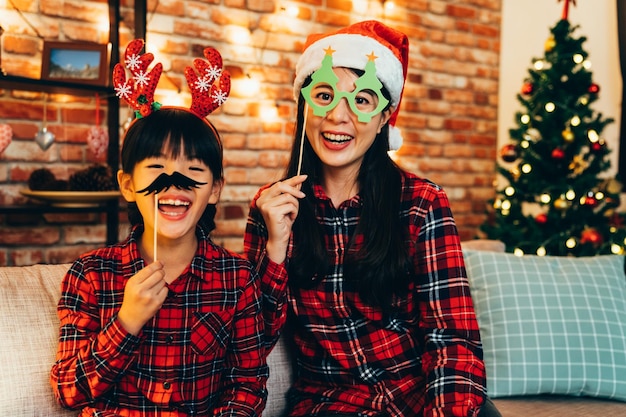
365, 256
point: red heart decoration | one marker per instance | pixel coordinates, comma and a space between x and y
6, 134
98, 141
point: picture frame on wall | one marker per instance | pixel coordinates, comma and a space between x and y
76, 62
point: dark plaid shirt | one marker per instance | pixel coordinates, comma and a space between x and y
424, 359
202, 354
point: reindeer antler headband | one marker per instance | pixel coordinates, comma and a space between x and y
209, 89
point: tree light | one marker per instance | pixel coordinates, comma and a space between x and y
570, 243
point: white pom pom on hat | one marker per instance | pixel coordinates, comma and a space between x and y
352, 44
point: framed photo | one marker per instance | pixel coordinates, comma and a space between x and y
77, 62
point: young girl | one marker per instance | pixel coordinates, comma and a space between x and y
366, 255
166, 322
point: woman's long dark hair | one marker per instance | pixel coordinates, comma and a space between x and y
173, 130
378, 270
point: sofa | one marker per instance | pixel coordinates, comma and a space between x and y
29, 326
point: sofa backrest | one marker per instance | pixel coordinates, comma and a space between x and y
29, 335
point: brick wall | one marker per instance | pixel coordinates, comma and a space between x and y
448, 116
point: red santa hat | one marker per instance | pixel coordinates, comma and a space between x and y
352, 45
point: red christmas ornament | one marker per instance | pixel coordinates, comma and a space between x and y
541, 218
596, 146
594, 88
508, 153
592, 236
558, 154
528, 88
590, 201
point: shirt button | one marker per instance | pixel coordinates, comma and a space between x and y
169, 339
167, 385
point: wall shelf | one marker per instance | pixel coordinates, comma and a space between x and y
13, 82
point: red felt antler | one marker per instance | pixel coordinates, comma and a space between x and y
211, 87
138, 91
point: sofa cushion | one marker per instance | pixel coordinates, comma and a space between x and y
29, 331
551, 325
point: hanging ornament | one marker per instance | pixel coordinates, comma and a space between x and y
591, 235
613, 186
508, 153
44, 138
528, 88
594, 88
578, 165
589, 200
561, 204
558, 154
98, 137
597, 146
541, 218
6, 134
568, 135
550, 44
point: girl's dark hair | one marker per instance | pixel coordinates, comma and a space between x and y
379, 269
175, 131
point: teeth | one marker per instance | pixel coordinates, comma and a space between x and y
174, 202
337, 138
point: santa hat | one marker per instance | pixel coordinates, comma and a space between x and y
352, 45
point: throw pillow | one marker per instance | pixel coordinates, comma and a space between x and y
551, 325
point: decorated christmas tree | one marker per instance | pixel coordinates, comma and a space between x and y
553, 195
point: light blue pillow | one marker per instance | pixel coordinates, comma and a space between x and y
551, 325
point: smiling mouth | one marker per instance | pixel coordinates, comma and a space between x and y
331, 137
173, 207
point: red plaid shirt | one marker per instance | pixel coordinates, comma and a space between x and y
202, 354
423, 360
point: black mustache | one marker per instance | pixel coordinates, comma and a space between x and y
164, 181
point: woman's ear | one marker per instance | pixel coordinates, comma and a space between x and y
385, 116
126, 185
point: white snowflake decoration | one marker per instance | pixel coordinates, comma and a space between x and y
219, 97
123, 91
213, 73
142, 78
133, 62
203, 84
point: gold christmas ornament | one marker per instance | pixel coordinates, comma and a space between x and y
578, 165
568, 135
613, 186
550, 44
561, 204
